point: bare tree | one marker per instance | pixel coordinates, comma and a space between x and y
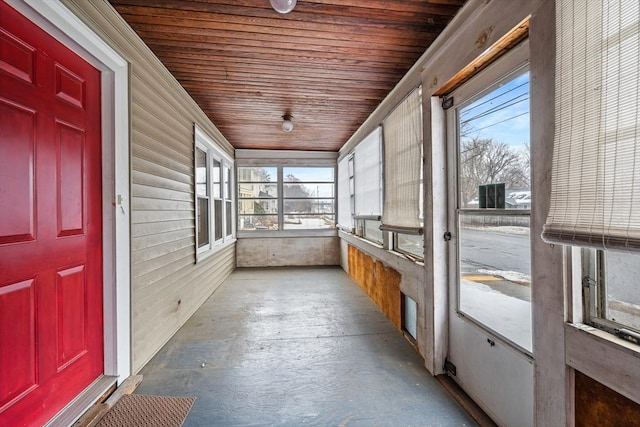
485, 161
295, 189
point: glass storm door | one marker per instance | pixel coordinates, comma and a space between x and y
490, 274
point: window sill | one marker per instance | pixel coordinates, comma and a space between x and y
604, 357
200, 256
395, 259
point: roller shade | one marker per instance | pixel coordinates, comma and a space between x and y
402, 131
595, 196
368, 175
345, 221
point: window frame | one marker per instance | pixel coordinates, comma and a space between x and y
317, 199
256, 199
206, 197
280, 164
212, 153
397, 248
227, 183
594, 297
504, 70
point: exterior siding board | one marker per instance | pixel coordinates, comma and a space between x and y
158, 216
151, 228
167, 286
150, 265
170, 311
143, 178
151, 168
149, 150
159, 193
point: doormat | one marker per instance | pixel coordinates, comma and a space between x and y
138, 410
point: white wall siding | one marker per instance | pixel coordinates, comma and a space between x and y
166, 284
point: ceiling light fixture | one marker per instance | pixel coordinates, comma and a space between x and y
283, 6
287, 124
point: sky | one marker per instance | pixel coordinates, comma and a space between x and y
501, 114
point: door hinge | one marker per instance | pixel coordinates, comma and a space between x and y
449, 367
447, 103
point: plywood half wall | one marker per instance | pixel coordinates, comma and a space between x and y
381, 283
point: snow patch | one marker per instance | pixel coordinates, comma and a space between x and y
512, 276
508, 316
507, 229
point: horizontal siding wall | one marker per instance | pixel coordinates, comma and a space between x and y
166, 284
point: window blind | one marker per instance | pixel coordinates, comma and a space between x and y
402, 131
595, 195
368, 175
345, 221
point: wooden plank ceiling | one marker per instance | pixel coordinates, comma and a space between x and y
328, 63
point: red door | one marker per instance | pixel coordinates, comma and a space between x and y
51, 340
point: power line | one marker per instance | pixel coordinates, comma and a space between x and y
497, 123
497, 108
495, 97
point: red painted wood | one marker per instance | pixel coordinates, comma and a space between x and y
51, 327
17, 156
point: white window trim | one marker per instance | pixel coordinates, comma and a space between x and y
228, 197
213, 151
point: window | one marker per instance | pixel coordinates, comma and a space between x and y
308, 197
257, 198
409, 244
370, 230
202, 197
345, 199
216, 173
228, 201
612, 301
352, 187
211, 216
595, 179
490, 122
286, 197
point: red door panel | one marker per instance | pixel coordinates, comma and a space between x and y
70, 172
18, 369
51, 340
17, 192
72, 313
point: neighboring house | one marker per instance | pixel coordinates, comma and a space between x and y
520, 199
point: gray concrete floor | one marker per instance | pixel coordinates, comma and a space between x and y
294, 346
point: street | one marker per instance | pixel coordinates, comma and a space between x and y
486, 249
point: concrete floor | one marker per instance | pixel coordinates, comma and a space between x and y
295, 346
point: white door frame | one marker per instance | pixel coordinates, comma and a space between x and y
57, 20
